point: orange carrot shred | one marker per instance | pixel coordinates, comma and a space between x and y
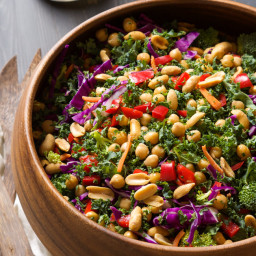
121, 161
210, 159
153, 64
69, 70
91, 99
211, 99
177, 238
64, 156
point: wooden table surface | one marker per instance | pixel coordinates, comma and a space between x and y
26, 25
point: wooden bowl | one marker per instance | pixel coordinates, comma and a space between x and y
63, 229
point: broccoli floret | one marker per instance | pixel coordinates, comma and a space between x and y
247, 196
207, 38
250, 175
200, 240
101, 142
202, 198
246, 44
53, 157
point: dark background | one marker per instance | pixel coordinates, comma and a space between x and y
26, 25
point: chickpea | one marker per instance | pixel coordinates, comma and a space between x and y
125, 203
80, 189
176, 54
219, 238
158, 98
37, 135
253, 90
152, 137
130, 234
114, 147
228, 241
111, 227
192, 103
151, 161
88, 125
66, 198
145, 120
71, 182
195, 136
38, 106
144, 128
146, 97
158, 230
48, 126
184, 64
155, 210
146, 212
92, 216
143, 57
122, 78
237, 104
117, 181
201, 102
124, 121
190, 167
243, 152
99, 91
200, 178
227, 61
142, 151
160, 89
220, 202
104, 56
129, 25
216, 152
173, 118
102, 34
158, 150
237, 61
178, 129
154, 177
203, 163
113, 40
220, 123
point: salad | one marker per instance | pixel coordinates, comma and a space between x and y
149, 131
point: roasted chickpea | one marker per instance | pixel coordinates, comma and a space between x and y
144, 128
130, 234
142, 151
201, 102
114, 147
159, 90
159, 151
129, 25
143, 57
176, 54
190, 167
146, 212
38, 106
152, 137
71, 182
220, 202
158, 98
88, 125
227, 61
173, 118
216, 152
125, 203
92, 216
184, 64
124, 121
178, 129
220, 123
243, 152
237, 104
200, 178
192, 103
219, 238
237, 61
203, 163
80, 189
195, 136
48, 126
152, 161
146, 97
145, 119
155, 210
99, 91
111, 227
154, 177
113, 40
117, 181
102, 34
253, 90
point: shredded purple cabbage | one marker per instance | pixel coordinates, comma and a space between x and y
194, 225
184, 43
253, 97
120, 68
116, 212
66, 168
252, 131
146, 237
212, 171
148, 28
190, 55
216, 189
163, 161
115, 28
122, 193
233, 118
151, 49
83, 196
135, 188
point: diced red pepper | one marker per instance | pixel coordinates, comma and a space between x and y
174, 78
131, 113
56, 150
80, 150
230, 229
163, 60
160, 112
124, 221
185, 175
114, 122
141, 76
114, 67
244, 80
223, 100
88, 207
107, 123
91, 180
217, 184
89, 160
139, 171
113, 110
181, 80
168, 172
179, 183
148, 107
244, 211
182, 112
237, 166
70, 137
203, 77
112, 217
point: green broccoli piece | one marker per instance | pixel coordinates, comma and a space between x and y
246, 44
202, 198
250, 175
247, 196
207, 38
101, 142
53, 157
200, 240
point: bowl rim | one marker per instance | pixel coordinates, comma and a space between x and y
32, 88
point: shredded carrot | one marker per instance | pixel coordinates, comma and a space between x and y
77, 140
91, 99
210, 159
121, 161
153, 64
211, 99
177, 238
69, 70
64, 156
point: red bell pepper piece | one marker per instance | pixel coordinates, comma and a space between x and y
141, 76
106, 123
88, 207
114, 122
139, 171
168, 171
163, 60
91, 68
185, 175
112, 217
91, 180
70, 138
131, 113
148, 107
124, 221
244, 211
217, 184
237, 166
114, 67
160, 112
244, 80
181, 80
56, 150
80, 150
223, 100
179, 183
116, 104
203, 77
230, 229
182, 112
174, 78
89, 160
